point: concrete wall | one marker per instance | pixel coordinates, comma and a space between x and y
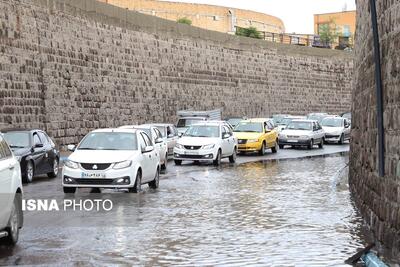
72, 66
216, 18
378, 198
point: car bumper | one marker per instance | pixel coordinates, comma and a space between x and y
200, 154
332, 138
249, 147
124, 178
295, 142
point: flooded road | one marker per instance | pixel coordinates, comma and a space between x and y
276, 213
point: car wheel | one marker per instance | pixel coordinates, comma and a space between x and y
137, 187
311, 145
54, 173
156, 182
281, 146
275, 148
232, 158
178, 162
69, 190
217, 161
321, 145
262, 151
341, 141
164, 166
29, 172
14, 222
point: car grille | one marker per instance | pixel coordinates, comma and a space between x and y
192, 147
98, 167
331, 136
242, 141
94, 181
293, 136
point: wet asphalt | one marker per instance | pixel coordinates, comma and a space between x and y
292, 208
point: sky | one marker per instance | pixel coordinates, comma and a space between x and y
296, 14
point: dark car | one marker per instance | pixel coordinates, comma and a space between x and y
37, 153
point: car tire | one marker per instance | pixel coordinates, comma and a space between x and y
281, 146
14, 222
137, 187
55, 166
164, 166
321, 145
232, 158
311, 145
69, 190
29, 172
275, 148
178, 162
262, 150
217, 161
341, 141
156, 182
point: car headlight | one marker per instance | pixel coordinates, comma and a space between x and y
71, 164
179, 146
209, 146
304, 137
252, 141
122, 164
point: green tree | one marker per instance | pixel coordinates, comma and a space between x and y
328, 33
184, 21
251, 32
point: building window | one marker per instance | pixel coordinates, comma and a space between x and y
346, 30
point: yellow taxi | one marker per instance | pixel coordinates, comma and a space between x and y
256, 135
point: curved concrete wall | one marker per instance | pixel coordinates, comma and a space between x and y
377, 197
71, 66
216, 18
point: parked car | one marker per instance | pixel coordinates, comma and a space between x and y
302, 133
159, 143
186, 118
347, 115
112, 158
279, 117
317, 116
11, 216
206, 141
285, 121
234, 120
337, 129
37, 152
256, 135
170, 134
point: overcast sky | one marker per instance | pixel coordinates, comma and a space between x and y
296, 14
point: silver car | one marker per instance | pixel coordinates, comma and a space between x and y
302, 133
170, 135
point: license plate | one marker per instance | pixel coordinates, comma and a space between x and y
92, 175
293, 141
191, 152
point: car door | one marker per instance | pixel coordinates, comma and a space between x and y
172, 136
150, 162
163, 146
7, 168
39, 154
49, 154
320, 131
347, 129
226, 144
270, 133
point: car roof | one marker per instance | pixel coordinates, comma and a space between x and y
115, 130
213, 123
304, 120
143, 126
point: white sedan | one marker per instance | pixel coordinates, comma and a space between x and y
302, 133
11, 217
206, 141
112, 158
337, 129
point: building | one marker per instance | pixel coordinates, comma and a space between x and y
215, 18
341, 23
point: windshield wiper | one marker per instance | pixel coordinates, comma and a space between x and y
13, 146
87, 148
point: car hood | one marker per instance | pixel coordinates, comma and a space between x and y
296, 132
101, 156
21, 151
332, 130
197, 141
246, 135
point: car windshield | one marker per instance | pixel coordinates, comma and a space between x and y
300, 125
318, 118
332, 122
278, 118
285, 121
163, 130
187, 122
109, 141
17, 139
202, 131
250, 127
234, 122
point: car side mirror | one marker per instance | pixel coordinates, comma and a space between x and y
71, 148
158, 141
38, 145
147, 149
226, 135
170, 136
180, 134
347, 126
